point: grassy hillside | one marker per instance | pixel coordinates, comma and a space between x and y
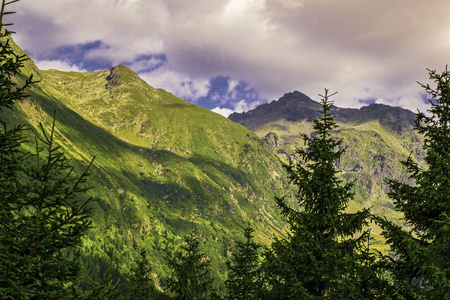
163, 166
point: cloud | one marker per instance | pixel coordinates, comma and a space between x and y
239, 107
79, 55
58, 65
180, 85
222, 111
129, 28
146, 63
221, 94
363, 49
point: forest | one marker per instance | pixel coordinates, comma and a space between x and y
48, 206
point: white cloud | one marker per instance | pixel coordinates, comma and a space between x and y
57, 65
242, 106
239, 107
176, 83
223, 111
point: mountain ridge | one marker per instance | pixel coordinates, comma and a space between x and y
302, 107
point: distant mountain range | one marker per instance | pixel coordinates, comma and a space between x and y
164, 166
377, 138
296, 107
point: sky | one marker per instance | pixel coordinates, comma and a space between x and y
233, 55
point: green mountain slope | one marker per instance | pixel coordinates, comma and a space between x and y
378, 137
163, 166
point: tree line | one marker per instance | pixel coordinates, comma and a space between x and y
46, 208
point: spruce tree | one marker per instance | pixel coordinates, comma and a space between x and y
324, 255
245, 280
43, 216
141, 284
421, 252
190, 278
44, 208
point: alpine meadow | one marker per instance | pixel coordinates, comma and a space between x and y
113, 189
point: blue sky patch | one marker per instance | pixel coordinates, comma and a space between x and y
367, 101
77, 55
225, 92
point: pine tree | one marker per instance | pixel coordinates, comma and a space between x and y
10, 137
107, 289
421, 252
141, 284
44, 208
245, 279
324, 255
190, 277
43, 216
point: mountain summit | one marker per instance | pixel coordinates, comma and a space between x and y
296, 106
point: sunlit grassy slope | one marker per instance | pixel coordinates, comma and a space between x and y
163, 166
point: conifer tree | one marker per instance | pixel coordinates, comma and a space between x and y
141, 284
421, 261
43, 216
324, 255
44, 208
190, 278
245, 279
11, 137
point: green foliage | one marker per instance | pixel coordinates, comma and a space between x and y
107, 289
45, 212
324, 254
245, 280
141, 282
10, 92
10, 64
421, 263
190, 278
44, 206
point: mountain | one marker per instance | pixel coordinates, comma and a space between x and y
165, 166
296, 107
377, 138
162, 167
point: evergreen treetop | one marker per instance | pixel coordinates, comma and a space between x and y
44, 206
325, 251
245, 279
190, 278
421, 265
